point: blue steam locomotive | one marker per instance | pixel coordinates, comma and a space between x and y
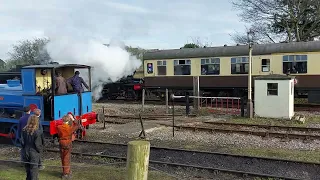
36, 89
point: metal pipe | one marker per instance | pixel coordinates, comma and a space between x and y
89, 74
250, 105
173, 117
198, 97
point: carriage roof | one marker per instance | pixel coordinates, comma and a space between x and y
53, 66
239, 50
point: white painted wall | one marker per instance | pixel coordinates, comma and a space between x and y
281, 106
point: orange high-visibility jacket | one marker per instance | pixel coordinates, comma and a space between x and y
65, 133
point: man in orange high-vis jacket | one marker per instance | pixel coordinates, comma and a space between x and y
65, 132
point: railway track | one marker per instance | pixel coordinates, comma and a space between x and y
149, 117
124, 119
262, 126
217, 162
287, 135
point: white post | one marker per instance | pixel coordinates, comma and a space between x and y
249, 103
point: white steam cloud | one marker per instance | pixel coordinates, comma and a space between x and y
109, 63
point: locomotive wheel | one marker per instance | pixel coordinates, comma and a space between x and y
14, 131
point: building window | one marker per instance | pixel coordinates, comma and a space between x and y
182, 67
239, 65
210, 66
272, 89
295, 64
265, 65
162, 67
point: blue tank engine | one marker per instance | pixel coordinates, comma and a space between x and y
36, 89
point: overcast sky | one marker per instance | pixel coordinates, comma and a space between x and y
160, 24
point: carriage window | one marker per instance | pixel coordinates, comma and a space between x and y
162, 67
210, 66
272, 89
182, 67
295, 64
239, 65
265, 65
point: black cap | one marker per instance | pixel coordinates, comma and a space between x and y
26, 108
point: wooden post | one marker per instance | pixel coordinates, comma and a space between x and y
143, 132
167, 101
138, 160
196, 92
143, 96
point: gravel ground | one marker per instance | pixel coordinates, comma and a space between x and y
162, 136
159, 135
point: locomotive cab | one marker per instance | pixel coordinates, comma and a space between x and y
39, 84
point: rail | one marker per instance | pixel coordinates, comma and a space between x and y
264, 126
224, 162
186, 166
286, 135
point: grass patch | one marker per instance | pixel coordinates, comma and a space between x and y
11, 171
295, 155
275, 122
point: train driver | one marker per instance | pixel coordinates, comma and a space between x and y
76, 82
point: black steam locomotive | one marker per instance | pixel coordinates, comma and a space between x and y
127, 88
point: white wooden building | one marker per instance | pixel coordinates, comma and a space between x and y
274, 96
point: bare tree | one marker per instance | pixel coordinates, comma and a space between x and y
280, 20
197, 42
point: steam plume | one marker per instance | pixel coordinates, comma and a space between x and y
109, 63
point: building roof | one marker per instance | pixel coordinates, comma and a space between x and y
227, 51
51, 66
274, 77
